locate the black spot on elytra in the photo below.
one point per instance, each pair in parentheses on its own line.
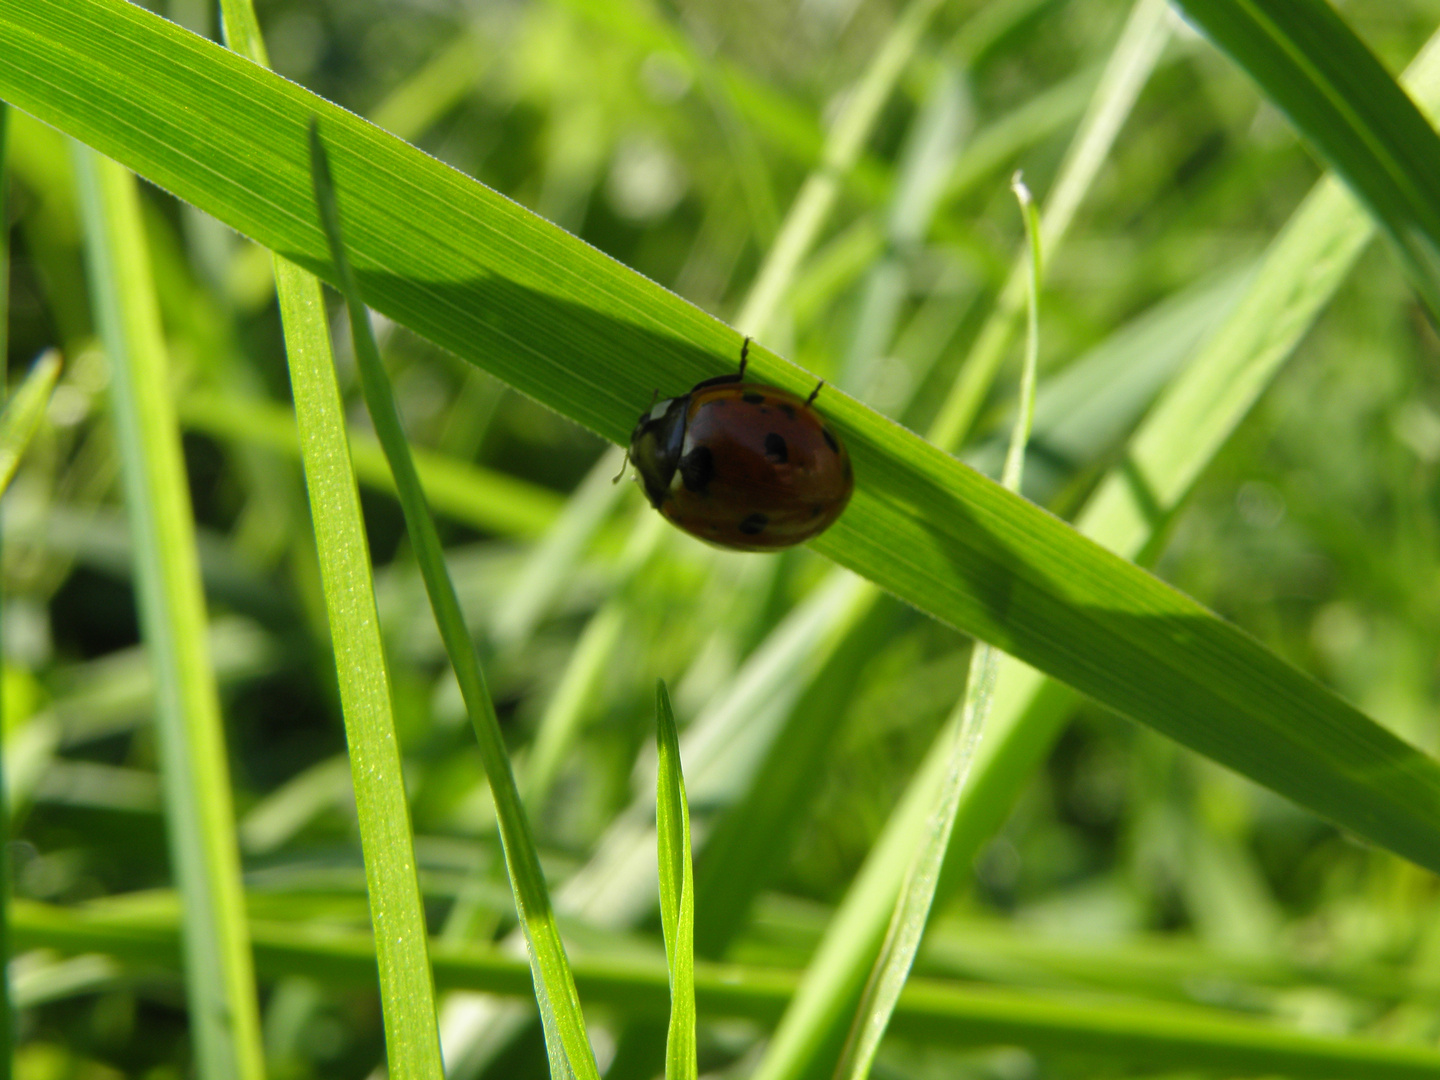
(697,469)
(788,411)
(816,510)
(776,451)
(830,440)
(753,399)
(754,525)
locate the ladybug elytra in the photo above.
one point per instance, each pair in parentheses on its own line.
(741,465)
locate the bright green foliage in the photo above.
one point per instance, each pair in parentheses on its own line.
(476,274)
(1233,388)
(200,816)
(566,1041)
(1349,108)
(23,413)
(677,891)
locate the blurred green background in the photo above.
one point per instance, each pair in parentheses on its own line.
(674,136)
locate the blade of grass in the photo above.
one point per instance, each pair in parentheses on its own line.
(564,1023)
(1309,62)
(25,408)
(199,817)
(376,770)
(917,892)
(1160,1035)
(7,1021)
(677,892)
(557,320)
(579,685)
(407,994)
(1135,55)
(812,206)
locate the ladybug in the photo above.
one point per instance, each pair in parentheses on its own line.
(741,465)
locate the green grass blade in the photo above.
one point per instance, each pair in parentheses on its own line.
(549,568)
(1309,62)
(818,194)
(26,407)
(1159,1035)
(407,994)
(200,820)
(581,682)
(566,1040)
(7,1019)
(1136,53)
(559,321)
(383,813)
(917,893)
(677,892)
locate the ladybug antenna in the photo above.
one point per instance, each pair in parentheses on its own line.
(623,466)
(811,399)
(744,356)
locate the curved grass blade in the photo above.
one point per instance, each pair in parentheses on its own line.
(7,1015)
(1309,62)
(1135,55)
(561,322)
(677,892)
(25,408)
(917,893)
(566,1041)
(376,770)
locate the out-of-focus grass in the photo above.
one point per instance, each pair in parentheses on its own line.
(675,140)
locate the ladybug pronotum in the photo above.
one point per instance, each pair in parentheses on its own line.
(742,465)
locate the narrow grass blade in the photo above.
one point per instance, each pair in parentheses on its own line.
(1136,53)
(677,892)
(7,1021)
(376,771)
(566,1040)
(581,682)
(199,817)
(843,146)
(917,893)
(550,567)
(25,408)
(1309,62)
(407,994)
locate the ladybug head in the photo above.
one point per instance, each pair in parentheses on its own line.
(655,446)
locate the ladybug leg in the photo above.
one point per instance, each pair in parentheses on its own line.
(811,399)
(623,466)
(744,356)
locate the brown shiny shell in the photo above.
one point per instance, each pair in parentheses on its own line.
(759,469)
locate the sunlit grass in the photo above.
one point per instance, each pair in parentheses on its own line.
(1233,388)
